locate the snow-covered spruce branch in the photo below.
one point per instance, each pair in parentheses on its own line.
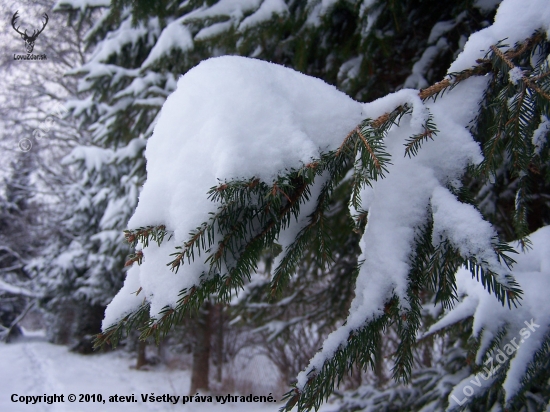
(418,233)
(508,351)
(145,234)
(315,383)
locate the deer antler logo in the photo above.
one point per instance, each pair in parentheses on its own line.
(29,40)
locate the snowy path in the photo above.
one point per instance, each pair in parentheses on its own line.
(38,368)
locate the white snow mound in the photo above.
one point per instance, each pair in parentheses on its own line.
(230,117)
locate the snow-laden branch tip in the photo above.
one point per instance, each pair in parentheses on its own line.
(16,290)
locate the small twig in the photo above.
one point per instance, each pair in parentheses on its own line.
(503,57)
(369,148)
(527,44)
(276,189)
(136,258)
(434,89)
(380,120)
(176,263)
(344,142)
(427,133)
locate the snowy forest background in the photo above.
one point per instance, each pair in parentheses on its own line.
(407,337)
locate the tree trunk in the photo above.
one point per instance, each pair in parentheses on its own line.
(141,358)
(219,343)
(379,362)
(201,350)
(427,352)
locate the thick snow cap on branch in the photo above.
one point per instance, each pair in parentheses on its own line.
(233,117)
(230,117)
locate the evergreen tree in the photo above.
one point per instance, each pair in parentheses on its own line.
(368,50)
(436,232)
(19,242)
(48,134)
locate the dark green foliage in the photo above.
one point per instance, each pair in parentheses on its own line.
(415,142)
(244,230)
(252,213)
(20,241)
(508,118)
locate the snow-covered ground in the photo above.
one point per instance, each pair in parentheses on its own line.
(33,367)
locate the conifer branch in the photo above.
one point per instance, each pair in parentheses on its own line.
(144,234)
(502,56)
(530,82)
(414,143)
(380,120)
(114,333)
(526,45)
(434,89)
(484,67)
(246,230)
(346,139)
(137,257)
(295,251)
(187,250)
(373,156)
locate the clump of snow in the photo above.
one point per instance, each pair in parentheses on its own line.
(540,135)
(280,120)
(372,13)
(92,156)
(230,117)
(350,69)
(486,5)
(442,27)
(416,78)
(327,5)
(264,13)
(116,40)
(365,6)
(463,226)
(515,75)
(214,30)
(174,36)
(236,9)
